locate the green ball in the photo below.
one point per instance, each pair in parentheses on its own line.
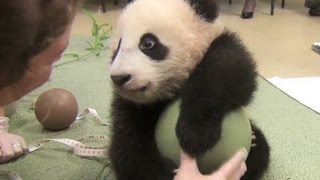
(236,134)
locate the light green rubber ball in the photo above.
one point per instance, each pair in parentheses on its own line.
(236,134)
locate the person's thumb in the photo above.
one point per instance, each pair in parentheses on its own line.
(188,162)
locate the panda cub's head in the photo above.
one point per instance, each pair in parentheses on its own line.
(160,44)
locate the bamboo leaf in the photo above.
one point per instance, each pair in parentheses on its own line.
(90,44)
(103,38)
(89,49)
(100,44)
(90,15)
(74,55)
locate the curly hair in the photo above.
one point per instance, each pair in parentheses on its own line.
(26,28)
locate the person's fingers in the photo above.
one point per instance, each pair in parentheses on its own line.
(17,149)
(188,162)
(7,151)
(23,144)
(11,146)
(230,168)
(241,171)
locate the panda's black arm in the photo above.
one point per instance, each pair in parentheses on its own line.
(223,81)
(133,152)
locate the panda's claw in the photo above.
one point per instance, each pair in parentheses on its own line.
(199,141)
(253,137)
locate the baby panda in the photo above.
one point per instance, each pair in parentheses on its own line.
(170,49)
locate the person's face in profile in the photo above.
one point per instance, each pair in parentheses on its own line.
(38,72)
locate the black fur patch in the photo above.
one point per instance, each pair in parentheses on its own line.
(158,52)
(207,9)
(258,158)
(133,151)
(224,80)
(114,55)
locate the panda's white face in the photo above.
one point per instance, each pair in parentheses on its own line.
(160,44)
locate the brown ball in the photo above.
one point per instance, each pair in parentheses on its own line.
(56,109)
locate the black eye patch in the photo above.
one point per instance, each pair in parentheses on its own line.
(152,47)
(116,51)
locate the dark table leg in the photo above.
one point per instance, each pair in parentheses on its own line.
(103,6)
(272,6)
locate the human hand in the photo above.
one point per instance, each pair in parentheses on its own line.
(11,146)
(233,169)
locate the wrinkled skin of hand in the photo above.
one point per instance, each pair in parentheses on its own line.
(11,145)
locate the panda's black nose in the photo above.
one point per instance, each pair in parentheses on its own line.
(120,80)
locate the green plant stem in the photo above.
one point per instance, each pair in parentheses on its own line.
(104,167)
(99,33)
(79,58)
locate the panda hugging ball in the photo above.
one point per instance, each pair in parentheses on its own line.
(169,50)
(235,134)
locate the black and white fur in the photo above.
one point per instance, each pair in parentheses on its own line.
(171,49)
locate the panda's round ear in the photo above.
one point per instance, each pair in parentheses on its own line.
(207,9)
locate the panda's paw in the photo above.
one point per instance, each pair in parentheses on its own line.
(196,140)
